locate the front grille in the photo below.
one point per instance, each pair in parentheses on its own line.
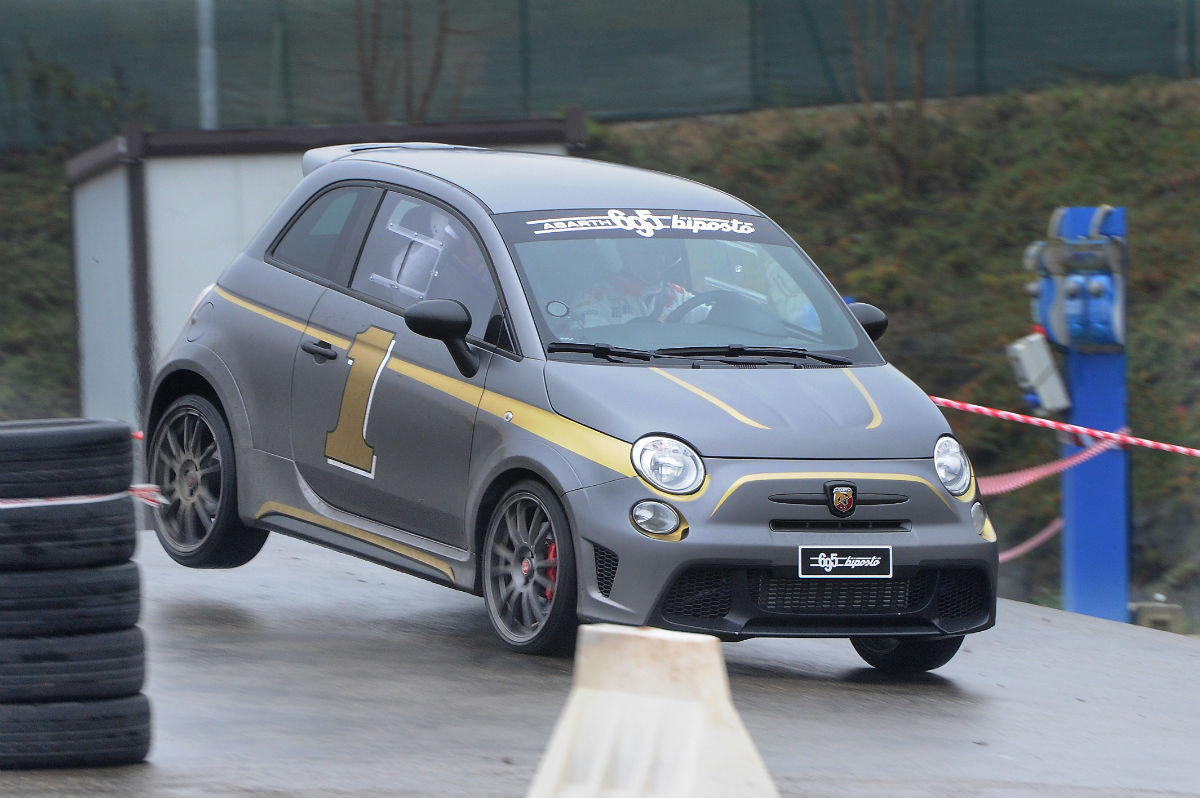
(606,569)
(787,525)
(822,596)
(737,600)
(961,594)
(700,593)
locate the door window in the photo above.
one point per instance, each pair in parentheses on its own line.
(417,250)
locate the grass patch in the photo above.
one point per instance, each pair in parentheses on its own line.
(38,352)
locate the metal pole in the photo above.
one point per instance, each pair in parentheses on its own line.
(526,76)
(1190,32)
(756,54)
(1095,499)
(206,64)
(980,53)
(281,74)
(1095,567)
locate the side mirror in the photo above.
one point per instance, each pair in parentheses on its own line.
(448,321)
(873,320)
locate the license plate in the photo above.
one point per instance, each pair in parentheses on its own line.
(839,562)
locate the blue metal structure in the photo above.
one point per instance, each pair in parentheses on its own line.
(1082,270)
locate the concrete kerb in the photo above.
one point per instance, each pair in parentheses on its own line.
(649,714)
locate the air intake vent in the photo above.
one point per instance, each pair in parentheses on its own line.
(700,593)
(606,569)
(825,596)
(961,594)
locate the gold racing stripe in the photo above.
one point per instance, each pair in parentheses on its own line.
(335,340)
(275,508)
(790,475)
(876,418)
(708,397)
(606,450)
(610,452)
(459,389)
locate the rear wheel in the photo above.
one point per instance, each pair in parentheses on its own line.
(191,461)
(906,655)
(529,571)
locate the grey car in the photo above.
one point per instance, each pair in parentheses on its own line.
(583,391)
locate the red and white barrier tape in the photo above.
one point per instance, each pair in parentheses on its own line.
(1099,434)
(57,500)
(144,493)
(148,494)
(998,484)
(1052,529)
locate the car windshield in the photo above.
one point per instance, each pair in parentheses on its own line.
(658,281)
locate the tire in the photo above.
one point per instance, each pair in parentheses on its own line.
(529,579)
(191,461)
(71,601)
(906,655)
(72,668)
(75,734)
(64,457)
(67,535)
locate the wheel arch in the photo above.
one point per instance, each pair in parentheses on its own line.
(540,463)
(196,375)
(175,385)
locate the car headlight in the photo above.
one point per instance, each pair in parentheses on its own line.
(952,466)
(668,464)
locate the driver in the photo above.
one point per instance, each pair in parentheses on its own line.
(640,290)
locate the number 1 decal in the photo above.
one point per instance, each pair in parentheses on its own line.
(347,447)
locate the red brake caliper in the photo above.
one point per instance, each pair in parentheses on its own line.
(552,572)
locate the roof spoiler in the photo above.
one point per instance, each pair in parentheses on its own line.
(316,158)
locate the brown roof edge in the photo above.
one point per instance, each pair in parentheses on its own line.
(569,131)
(94,160)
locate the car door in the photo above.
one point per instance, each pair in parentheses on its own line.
(382,420)
(263,304)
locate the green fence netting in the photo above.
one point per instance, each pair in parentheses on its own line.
(71,71)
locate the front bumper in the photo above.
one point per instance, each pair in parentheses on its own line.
(735,573)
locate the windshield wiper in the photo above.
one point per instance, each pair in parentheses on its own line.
(737,350)
(602,350)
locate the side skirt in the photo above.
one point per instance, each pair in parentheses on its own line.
(364,545)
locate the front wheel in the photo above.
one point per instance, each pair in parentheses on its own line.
(904,655)
(529,571)
(191,461)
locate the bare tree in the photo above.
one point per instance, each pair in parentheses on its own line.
(862,82)
(918,40)
(377,68)
(379,63)
(900,145)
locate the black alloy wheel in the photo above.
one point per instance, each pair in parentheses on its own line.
(529,571)
(191,461)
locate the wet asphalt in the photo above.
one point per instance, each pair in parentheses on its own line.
(309,673)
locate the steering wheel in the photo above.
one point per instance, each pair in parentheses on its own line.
(702,298)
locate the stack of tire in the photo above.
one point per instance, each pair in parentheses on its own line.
(72,660)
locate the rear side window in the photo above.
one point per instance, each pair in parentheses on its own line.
(324,239)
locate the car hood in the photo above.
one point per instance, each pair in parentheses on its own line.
(868,412)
